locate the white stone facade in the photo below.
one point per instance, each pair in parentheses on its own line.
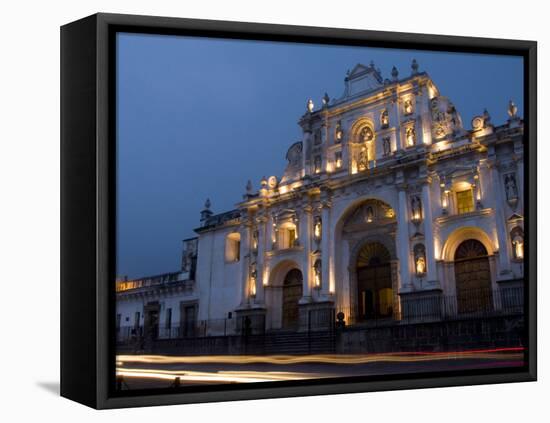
(385,179)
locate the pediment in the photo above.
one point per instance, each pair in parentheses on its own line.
(363,79)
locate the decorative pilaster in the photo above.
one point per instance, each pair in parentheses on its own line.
(269,232)
(395,120)
(260,258)
(502,236)
(305,240)
(325,248)
(245,261)
(403,240)
(428,233)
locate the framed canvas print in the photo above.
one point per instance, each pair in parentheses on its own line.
(258,211)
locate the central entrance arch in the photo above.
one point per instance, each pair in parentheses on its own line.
(292,292)
(374,282)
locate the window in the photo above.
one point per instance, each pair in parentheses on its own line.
(291,236)
(137,323)
(168,319)
(233,247)
(465,201)
(317,164)
(338,159)
(287,236)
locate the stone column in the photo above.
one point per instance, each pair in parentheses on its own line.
(269,232)
(428,233)
(245,261)
(305,241)
(403,240)
(502,235)
(425,116)
(395,117)
(325,249)
(260,259)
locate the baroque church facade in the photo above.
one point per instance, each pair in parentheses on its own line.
(388,209)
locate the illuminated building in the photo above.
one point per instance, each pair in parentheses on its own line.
(385,201)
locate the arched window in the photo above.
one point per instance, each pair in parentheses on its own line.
(233,247)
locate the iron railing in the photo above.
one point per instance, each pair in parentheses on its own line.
(419,307)
(471,304)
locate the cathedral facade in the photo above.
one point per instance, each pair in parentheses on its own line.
(389,209)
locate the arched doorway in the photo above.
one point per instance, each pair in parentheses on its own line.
(473,277)
(292,292)
(374,282)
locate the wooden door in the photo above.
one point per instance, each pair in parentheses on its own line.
(473,278)
(292,292)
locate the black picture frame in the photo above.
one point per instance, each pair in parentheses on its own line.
(88,195)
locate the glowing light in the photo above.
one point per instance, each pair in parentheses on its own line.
(252,287)
(215,377)
(518,246)
(516,352)
(338,162)
(317,229)
(420,266)
(408,107)
(353,167)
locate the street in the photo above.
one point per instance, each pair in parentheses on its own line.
(157,371)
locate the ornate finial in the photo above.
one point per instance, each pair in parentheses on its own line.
(207,204)
(372,64)
(263,182)
(249,187)
(512,110)
(310,106)
(414,66)
(394,73)
(326,100)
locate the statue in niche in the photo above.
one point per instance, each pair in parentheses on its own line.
(369,215)
(253,272)
(317,228)
(384,119)
(420,259)
(255,236)
(511,187)
(362,162)
(317,270)
(408,107)
(517,243)
(416,207)
(339,133)
(367,134)
(386,146)
(410,135)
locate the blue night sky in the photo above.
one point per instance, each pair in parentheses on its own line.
(199,117)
